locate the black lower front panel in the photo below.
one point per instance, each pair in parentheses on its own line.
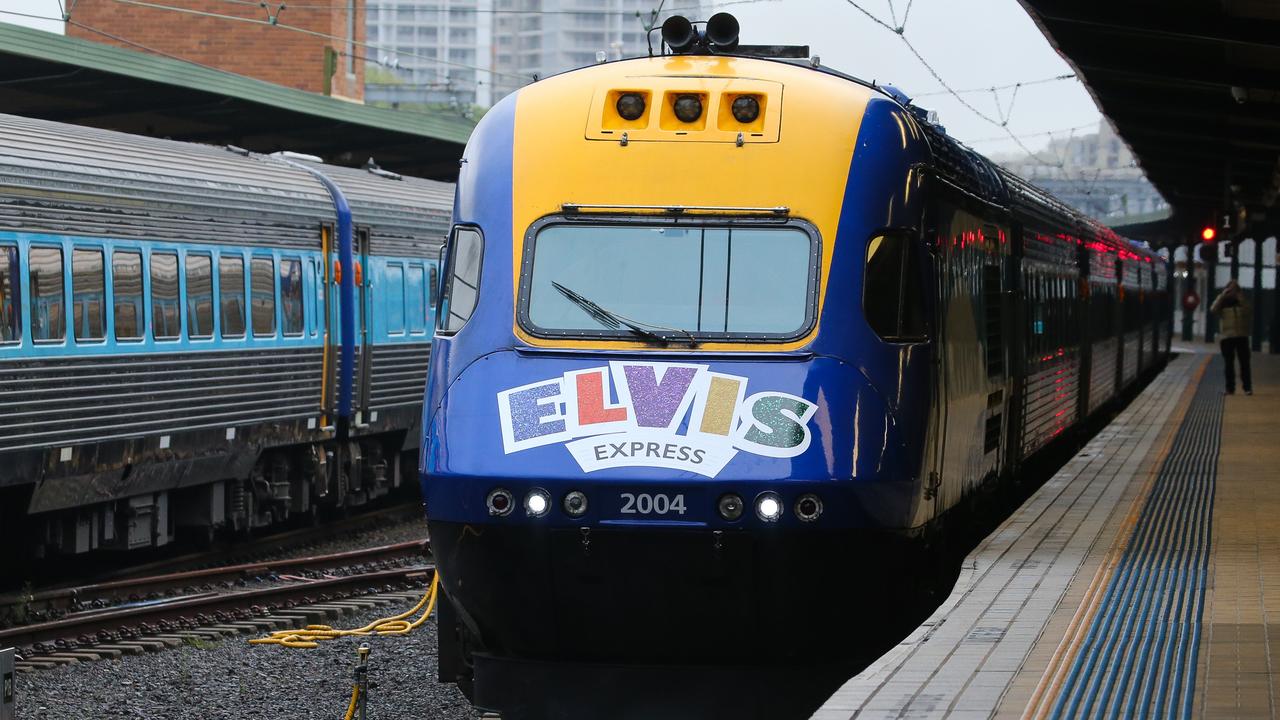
(629,606)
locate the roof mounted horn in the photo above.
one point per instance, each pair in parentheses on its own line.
(679,35)
(722,32)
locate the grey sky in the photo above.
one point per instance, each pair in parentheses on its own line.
(45,8)
(970,43)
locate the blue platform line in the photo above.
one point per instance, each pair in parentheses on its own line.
(1140,652)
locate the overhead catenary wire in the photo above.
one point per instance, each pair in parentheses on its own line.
(947,89)
(1024,83)
(439,7)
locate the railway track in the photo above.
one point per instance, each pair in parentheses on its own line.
(152,612)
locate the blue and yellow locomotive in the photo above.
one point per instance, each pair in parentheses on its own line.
(722,339)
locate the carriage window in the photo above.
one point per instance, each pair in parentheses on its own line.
(394,299)
(417,295)
(463,280)
(126,288)
(48,317)
(433,287)
(262,298)
(231,295)
(166,312)
(88,293)
(291,295)
(10,301)
(199,296)
(675,280)
(891,291)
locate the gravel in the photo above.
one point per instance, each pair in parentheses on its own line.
(232,679)
(396,531)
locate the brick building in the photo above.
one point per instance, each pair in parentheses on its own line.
(288,52)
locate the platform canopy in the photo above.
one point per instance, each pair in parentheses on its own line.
(1193,86)
(70,80)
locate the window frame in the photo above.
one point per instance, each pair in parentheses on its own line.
(911,243)
(390,330)
(244,293)
(281,263)
(448,276)
(709,222)
(423,291)
(140,320)
(186,294)
(149,291)
(15,288)
(252,327)
(31,293)
(102,314)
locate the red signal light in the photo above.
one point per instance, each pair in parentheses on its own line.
(1208,234)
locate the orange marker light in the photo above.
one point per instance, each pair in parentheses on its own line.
(1208,234)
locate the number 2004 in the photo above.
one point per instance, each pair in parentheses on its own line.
(655,504)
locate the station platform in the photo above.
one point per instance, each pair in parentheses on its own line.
(1142,580)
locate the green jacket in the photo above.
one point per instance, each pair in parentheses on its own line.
(1236,320)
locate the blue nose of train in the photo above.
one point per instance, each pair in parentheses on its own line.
(524,438)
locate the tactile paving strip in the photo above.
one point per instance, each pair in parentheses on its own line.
(1139,656)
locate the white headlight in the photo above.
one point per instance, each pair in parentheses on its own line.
(768,506)
(537,502)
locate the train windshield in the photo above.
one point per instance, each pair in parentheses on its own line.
(739,283)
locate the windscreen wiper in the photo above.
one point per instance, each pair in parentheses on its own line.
(611,319)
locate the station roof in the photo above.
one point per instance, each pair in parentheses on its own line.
(53,77)
(1193,86)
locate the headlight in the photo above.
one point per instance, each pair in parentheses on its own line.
(537,503)
(499,502)
(768,506)
(630,106)
(730,507)
(575,503)
(688,108)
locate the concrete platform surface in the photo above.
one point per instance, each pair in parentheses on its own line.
(1142,579)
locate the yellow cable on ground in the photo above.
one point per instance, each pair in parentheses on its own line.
(311,636)
(351,706)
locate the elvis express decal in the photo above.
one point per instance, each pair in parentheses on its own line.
(647,425)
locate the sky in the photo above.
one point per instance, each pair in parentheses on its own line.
(45,8)
(971,44)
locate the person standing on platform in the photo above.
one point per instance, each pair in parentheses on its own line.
(1235,318)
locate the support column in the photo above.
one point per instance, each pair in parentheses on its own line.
(1211,291)
(1258,298)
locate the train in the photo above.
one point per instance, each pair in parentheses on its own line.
(199,340)
(729,341)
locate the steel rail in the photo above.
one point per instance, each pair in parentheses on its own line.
(84,626)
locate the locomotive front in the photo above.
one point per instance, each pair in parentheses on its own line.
(659,425)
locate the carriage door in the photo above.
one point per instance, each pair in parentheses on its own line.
(994,331)
(326,302)
(364,320)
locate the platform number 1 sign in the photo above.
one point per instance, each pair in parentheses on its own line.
(8,687)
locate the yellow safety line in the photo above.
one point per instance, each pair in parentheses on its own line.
(1050,685)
